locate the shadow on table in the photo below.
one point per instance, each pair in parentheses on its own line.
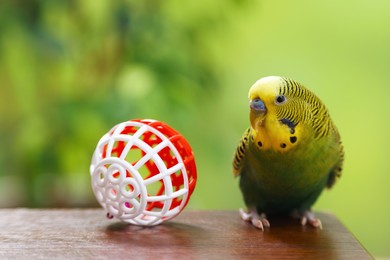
(163,235)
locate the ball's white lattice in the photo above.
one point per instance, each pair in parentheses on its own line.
(122,187)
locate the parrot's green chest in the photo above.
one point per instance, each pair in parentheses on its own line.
(281,182)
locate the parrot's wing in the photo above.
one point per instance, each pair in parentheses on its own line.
(240,153)
(337,169)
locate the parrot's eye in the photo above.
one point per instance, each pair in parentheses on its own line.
(280,99)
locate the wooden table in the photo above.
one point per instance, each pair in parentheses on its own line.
(88,234)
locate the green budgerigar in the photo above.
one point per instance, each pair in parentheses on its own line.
(289,154)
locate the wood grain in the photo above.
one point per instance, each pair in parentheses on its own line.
(87,234)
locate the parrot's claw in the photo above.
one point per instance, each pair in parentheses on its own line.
(308,217)
(258,221)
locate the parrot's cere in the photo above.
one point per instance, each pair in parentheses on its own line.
(288,155)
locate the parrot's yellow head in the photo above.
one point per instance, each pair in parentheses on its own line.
(280,110)
(262,99)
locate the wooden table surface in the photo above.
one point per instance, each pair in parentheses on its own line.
(88,234)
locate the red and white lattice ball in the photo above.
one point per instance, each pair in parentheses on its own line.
(143,172)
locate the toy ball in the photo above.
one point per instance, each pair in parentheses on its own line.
(143,172)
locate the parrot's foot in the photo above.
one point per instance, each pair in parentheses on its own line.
(258,221)
(307,217)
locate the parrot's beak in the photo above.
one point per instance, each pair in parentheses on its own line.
(257,113)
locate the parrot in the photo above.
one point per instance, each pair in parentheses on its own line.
(288,155)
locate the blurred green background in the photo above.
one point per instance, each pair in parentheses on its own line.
(70,70)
